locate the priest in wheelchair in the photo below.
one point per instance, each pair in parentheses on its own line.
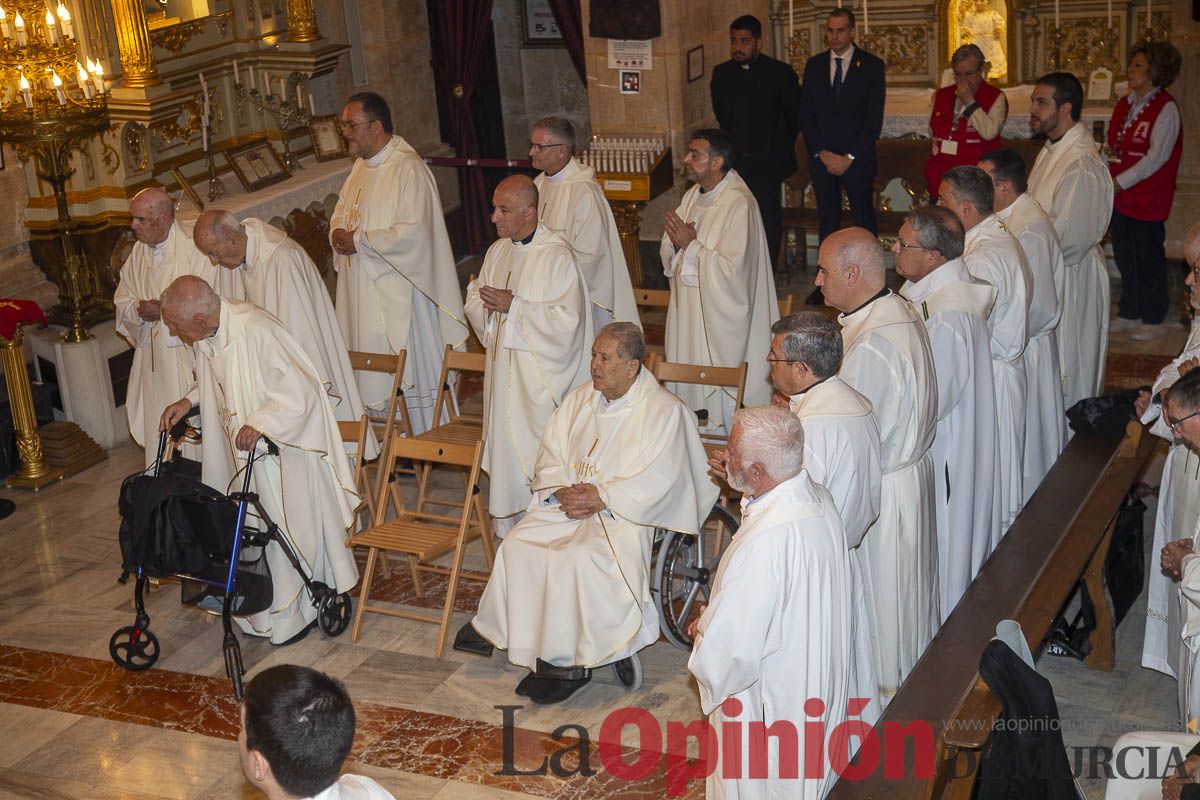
(570,590)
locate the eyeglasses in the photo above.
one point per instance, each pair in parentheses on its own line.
(907,246)
(772,360)
(1178,424)
(351,125)
(541,147)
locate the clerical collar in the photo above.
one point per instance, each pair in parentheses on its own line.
(527,239)
(751,62)
(884,292)
(716,188)
(377,159)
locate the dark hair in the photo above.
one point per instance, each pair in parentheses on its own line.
(719,144)
(302,722)
(747,22)
(973,185)
(1164,60)
(938,229)
(560,128)
(842,11)
(1067,89)
(1007,165)
(813,339)
(375,107)
(1185,392)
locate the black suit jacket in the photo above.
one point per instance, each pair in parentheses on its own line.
(850,122)
(759,108)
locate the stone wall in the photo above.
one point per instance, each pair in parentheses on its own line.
(1185,34)
(18,276)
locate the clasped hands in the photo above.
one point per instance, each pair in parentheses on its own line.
(1171,558)
(580,500)
(149,311)
(835,164)
(246,438)
(496,299)
(679,232)
(343,242)
(1185,774)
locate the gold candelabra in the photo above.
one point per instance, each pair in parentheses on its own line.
(51,104)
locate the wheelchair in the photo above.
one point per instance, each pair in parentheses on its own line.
(684,566)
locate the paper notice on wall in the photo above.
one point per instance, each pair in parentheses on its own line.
(629,54)
(1100,85)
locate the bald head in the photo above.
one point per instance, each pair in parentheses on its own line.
(190,308)
(516,207)
(1191,245)
(850,268)
(220,236)
(152,211)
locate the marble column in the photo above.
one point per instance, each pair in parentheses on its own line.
(1185,35)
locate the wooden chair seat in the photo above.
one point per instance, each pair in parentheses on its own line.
(460,432)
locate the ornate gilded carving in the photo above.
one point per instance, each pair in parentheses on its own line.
(800,48)
(1031,32)
(904,48)
(108,154)
(170,132)
(133,41)
(176,37)
(133,144)
(301,21)
(1085,46)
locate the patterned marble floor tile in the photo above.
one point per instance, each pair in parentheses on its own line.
(24,729)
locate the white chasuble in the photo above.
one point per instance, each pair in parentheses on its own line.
(536,353)
(279,277)
(577,592)
(252,372)
(722,296)
(955,308)
(162,364)
(400,290)
(1045,417)
(1071,182)
(993,255)
(1189,647)
(774,635)
(1178,510)
(841,453)
(572,203)
(888,359)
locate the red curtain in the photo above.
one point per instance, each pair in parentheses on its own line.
(459,31)
(569,16)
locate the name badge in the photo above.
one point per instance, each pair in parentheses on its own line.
(1114,156)
(950,147)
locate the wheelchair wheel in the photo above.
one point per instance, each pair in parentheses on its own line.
(333,613)
(133,648)
(629,672)
(683,572)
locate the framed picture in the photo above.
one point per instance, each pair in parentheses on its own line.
(538,26)
(256,164)
(327,139)
(695,63)
(187,189)
(631,81)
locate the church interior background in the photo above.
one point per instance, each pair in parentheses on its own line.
(183,94)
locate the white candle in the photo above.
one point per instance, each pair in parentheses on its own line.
(791,14)
(20,26)
(84,82)
(5,27)
(1149,26)
(97,73)
(58,89)
(1108,18)
(1056,20)
(64,18)
(51,27)
(236,77)
(250,72)
(299,95)
(25,93)
(866,20)
(312,106)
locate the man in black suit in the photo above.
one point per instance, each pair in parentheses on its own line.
(756,100)
(841,114)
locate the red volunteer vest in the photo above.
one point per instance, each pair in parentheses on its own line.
(971,146)
(1150,199)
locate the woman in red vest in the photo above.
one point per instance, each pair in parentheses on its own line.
(1145,142)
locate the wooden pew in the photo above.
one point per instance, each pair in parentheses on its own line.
(1060,537)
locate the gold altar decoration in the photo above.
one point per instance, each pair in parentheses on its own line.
(50,106)
(175,37)
(33,473)
(905,48)
(133,41)
(301,21)
(987,24)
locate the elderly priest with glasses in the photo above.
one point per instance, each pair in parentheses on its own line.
(570,589)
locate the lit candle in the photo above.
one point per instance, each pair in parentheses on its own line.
(51,27)
(84,83)
(20,26)
(97,73)
(236,77)
(5,27)
(64,18)
(25,93)
(58,89)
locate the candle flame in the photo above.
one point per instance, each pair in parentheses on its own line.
(24,84)
(49,19)
(83,76)
(95,68)
(63,14)
(20,23)
(2,14)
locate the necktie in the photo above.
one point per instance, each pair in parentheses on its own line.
(837,76)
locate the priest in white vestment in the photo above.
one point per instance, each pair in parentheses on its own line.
(529,307)
(1179,489)
(570,590)
(714,253)
(1045,416)
(1071,182)
(955,307)
(993,255)
(279,277)
(888,360)
(162,364)
(1180,558)
(254,380)
(397,286)
(776,631)
(571,202)
(841,453)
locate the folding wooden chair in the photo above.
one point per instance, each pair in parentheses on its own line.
(422,537)
(698,375)
(454,426)
(652,298)
(396,421)
(356,433)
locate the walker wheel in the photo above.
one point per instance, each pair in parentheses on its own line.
(333,613)
(629,672)
(133,648)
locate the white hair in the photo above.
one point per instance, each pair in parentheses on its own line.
(1191,243)
(772,437)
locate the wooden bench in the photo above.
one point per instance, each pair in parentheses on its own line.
(1061,537)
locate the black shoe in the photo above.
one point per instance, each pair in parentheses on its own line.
(532,684)
(547,670)
(299,637)
(816,298)
(7,507)
(549,691)
(468,640)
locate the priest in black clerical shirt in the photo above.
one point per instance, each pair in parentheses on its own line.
(756,100)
